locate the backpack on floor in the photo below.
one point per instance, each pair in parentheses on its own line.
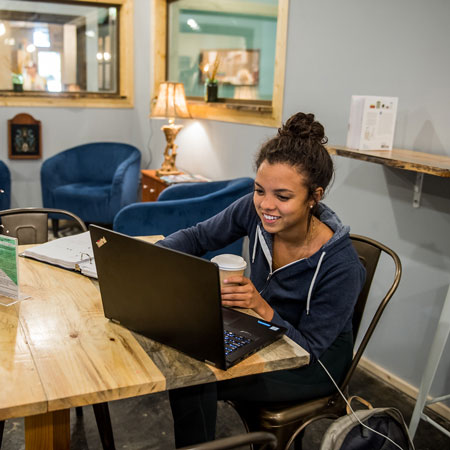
(346,433)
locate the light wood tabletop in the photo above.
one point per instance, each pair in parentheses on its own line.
(58,351)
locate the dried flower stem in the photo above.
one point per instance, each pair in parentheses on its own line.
(211,70)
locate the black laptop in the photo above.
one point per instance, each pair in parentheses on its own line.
(174,298)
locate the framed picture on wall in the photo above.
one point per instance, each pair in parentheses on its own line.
(236,67)
(24,137)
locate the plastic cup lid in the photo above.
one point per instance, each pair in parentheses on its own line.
(229,262)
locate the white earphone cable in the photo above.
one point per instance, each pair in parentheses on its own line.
(353,412)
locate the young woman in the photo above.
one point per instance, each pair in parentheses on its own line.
(305,275)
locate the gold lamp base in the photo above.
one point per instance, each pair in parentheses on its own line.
(170,152)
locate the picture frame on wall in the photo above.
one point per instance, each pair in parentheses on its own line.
(24,137)
(237,67)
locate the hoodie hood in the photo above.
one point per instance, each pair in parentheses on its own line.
(297,290)
(326,215)
(329,218)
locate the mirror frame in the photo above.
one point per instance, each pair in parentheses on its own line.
(247,112)
(124,99)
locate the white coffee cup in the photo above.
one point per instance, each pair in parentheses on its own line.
(229,265)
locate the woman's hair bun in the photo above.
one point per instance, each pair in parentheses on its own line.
(303,126)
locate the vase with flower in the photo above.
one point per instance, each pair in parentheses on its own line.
(17,82)
(211,82)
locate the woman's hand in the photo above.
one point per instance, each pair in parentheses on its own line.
(242,293)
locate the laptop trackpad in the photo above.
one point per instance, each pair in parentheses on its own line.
(228,316)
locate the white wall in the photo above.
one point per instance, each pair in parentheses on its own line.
(335,49)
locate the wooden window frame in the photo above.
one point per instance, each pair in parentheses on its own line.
(124,99)
(247,112)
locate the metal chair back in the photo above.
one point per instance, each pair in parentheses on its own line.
(288,421)
(30,225)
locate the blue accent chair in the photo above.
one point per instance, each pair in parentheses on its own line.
(183,205)
(93,181)
(5,186)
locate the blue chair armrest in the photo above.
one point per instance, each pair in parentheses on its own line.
(51,177)
(190,190)
(125,181)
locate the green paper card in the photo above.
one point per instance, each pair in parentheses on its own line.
(9,270)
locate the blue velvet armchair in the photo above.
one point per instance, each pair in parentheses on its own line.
(183,205)
(5,186)
(93,181)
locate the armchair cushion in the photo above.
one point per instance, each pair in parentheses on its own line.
(178,207)
(73,195)
(93,180)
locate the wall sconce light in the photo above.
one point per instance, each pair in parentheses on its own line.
(171,104)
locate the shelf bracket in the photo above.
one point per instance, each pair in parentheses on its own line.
(418,189)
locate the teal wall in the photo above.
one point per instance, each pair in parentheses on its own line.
(229,31)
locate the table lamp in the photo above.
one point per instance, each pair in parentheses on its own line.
(171,103)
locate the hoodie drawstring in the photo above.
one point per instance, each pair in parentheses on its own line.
(308,301)
(255,244)
(260,238)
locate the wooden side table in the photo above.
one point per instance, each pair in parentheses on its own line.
(152,185)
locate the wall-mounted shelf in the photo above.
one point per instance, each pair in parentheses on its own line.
(411,160)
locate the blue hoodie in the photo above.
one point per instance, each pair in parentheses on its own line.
(313,297)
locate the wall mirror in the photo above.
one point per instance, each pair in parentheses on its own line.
(242,43)
(63,50)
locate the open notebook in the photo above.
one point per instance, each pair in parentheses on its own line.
(70,252)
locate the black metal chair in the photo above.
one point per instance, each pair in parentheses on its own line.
(268,441)
(30,226)
(288,421)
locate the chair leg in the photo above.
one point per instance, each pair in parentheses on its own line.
(55,227)
(79,411)
(103,420)
(2,426)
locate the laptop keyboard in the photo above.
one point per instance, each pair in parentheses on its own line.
(233,341)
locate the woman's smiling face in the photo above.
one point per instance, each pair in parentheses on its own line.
(281,198)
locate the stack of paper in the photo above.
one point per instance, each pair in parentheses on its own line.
(88,268)
(184,178)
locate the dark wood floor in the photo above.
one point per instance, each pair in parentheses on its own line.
(145,423)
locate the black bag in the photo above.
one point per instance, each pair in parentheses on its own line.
(346,433)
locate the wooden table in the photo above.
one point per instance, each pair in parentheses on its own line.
(58,351)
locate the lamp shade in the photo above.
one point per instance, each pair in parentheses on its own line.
(171,101)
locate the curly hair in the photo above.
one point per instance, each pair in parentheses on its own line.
(300,143)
